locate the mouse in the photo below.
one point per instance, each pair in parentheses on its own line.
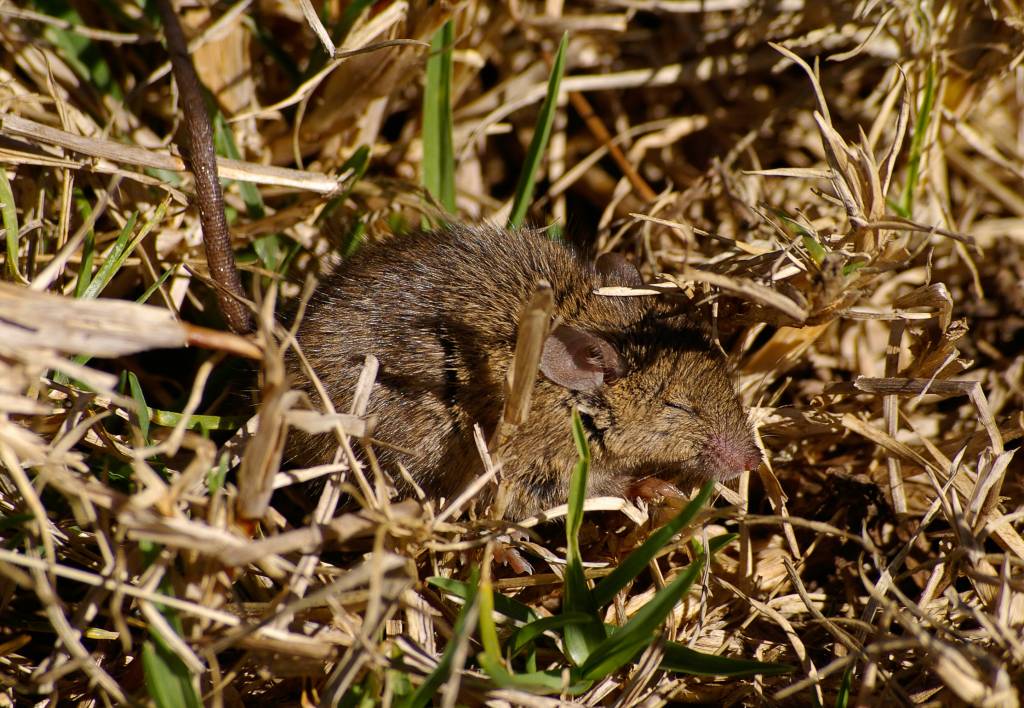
(439,309)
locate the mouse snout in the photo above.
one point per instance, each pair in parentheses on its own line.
(729,456)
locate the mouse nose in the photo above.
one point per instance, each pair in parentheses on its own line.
(731,456)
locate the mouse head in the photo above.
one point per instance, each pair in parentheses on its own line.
(654,394)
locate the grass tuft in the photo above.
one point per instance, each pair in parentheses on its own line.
(837,193)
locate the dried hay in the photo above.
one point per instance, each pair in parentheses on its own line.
(839,183)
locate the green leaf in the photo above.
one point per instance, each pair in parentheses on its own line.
(506,606)
(225,145)
(167,678)
(110,263)
(843,695)
(9,214)
(542,682)
(357,163)
(814,248)
(14,521)
(361,695)
(348,18)
(438,146)
(88,245)
(905,208)
(271,44)
(217,475)
(580,638)
(169,419)
(488,630)
(84,56)
(427,690)
(851,268)
(85,358)
(628,640)
(401,685)
(140,402)
(529,633)
(353,239)
(144,298)
(270,248)
(541,134)
(637,561)
(681,659)
(118,253)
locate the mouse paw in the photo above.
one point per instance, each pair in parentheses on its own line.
(652,488)
(506,555)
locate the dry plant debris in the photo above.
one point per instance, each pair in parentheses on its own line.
(838,184)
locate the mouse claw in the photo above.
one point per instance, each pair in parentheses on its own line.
(507,555)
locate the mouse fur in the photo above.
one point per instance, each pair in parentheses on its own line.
(440,311)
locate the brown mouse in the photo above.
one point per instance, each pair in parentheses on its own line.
(440,311)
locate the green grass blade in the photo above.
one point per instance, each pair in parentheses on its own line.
(541,682)
(123,247)
(169,419)
(684,660)
(271,44)
(427,690)
(144,298)
(348,18)
(438,145)
(216,476)
(577,487)
(110,259)
(905,208)
(271,248)
(88,245)
(488,630)
(580,638)
(843,696)
(167,678)
(140,401)
(635,563)
(631,638)
(541,134)
(717,543)
(814,248)
(9,214)
(529,633)
(353,239)
(513,609)
(84,56)
(225,145)
(357,163)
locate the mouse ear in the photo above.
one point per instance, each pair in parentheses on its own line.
(614,270)
(578,360)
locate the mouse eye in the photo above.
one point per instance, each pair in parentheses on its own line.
(685,407)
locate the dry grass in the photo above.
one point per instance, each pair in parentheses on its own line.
(856,227)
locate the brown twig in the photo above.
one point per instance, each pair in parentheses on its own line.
(202,160)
